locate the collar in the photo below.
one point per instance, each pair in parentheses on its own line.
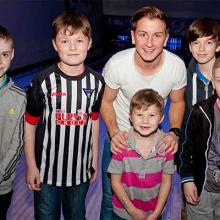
(201,76)
(4,81)
(132,144)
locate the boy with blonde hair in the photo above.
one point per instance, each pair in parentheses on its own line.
(13,103)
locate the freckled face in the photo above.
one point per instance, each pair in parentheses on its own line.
(145,122)
(72,49)
(203,49)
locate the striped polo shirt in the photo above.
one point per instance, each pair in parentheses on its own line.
(141,177)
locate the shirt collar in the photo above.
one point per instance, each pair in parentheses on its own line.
(132,143)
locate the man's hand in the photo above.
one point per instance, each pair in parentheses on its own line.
(119,141)
(190,192)
(169,142)
(33,179)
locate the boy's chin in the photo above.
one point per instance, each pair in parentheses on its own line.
(143,134)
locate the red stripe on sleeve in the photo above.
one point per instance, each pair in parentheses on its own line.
(95,115)
(31,119)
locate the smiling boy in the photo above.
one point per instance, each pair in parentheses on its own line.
(13,103)
(65,99)
(141,174)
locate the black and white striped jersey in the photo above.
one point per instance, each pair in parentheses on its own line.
(65,106)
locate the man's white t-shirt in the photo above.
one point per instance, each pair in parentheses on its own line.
(120,73)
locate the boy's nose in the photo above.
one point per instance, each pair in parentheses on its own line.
(145,119)
(201,47)
(72,46)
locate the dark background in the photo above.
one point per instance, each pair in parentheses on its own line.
(29,21)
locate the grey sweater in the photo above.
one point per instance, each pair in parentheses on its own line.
(12,109)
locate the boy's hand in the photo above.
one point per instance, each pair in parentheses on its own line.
(151,217)
(190,192)
(170,143)
(33,179)
(119,141)
(138,214)
(94,175)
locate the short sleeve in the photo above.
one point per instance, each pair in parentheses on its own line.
(111,76)
(180,75)
(98,100)
(35,102)
(116,164)
(168,166)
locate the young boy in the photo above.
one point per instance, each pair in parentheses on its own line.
(66,99)
(141,174)
(13,103)
(204,41)
(200,156)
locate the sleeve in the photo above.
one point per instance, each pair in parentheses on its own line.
(35,102)
(97,104)
(9,162)
(180,76)
(116,164)
(111,75)
(185,168)
(168,166)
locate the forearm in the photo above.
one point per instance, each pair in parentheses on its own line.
(163,194)
(29,146)
(120,193)
(109,117)
(14,150)
(95,143)
(176,113)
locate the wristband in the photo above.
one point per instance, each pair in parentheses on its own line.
(176,131)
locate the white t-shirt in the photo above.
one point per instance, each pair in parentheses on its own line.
(120,73)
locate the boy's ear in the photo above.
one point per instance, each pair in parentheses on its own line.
(161,118)
(54,44)
(130,119)
(190,47)
(12,54)
(218,48)
(90,43)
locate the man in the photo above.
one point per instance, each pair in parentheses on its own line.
(147,65)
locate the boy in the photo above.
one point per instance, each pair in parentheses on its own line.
(66,98)
(13,103)
(204,41)
(147,65)
(141,174)
(200,156)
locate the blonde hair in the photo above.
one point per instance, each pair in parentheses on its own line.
(5,35)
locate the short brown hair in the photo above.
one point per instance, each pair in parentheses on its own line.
(151,13)
(5,35)
(145,98)
(75,22)
(203,27)
(215,66)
